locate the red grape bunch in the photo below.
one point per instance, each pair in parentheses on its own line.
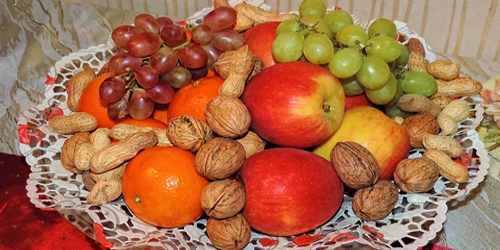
(157,56)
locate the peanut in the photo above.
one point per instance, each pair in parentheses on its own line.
(116,154)
(76,86)
(446,144)
(113,174)
(104,191)
(236,66)
(459,87)
(68,150)
(100,138)
(444,69)
(418,103)
(451,115)
(447,167)
(248,15)
(121,131)
(441,99)
(416,58)
(83,154)
(71,124)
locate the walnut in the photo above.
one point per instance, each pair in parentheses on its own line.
(419,125)
(355,165)
(252,143)
(223,199)
(231,233)
(227,116)
(219,158)
(188,132)
(416,175)
(258,66)
(69,148)
(375,202)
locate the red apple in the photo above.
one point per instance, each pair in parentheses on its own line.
(295,104)
(357,100)
(260,41)
(289,191)
(370,127)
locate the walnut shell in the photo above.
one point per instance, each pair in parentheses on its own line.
(219,158)
(416,175)
(223,199)
(252,143)
(375,202)
(188,132)
(419,125)
(355,165)
(231,233)
(227,116)
(68,150)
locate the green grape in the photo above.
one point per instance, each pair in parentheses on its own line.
(393,111)
(318,24)
(384,47)
(312,7)
(346,62)
(338,19)
(374,73)
(403,56)
(288,46)
(382,27)
(399,93)
(385,94)
(351,86)
(418,82)
(292,24)
(318,48)
(352,36)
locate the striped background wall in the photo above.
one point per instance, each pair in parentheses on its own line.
(467,28)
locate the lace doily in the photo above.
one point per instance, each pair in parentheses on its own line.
(414,221)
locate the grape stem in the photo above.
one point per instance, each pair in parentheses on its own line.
(182,45)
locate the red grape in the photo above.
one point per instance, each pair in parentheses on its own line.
(177,77)
(143,44)
(124,63)
(163,60)
(163,21)
(146,77)
(173,35)
(220,18)
(147,22)
(162,93)
(140,105)
(123,33)
(202,34)
(198,73)
(112,89)
(228,39)
(212,54)
(192,56)
(118,110)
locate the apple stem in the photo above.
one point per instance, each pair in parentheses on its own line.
(326,107)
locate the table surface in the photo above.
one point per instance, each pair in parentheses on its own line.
(37,34)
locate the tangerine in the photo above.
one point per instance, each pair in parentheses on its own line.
(148,122)
(192,98)
(162,187)
(91,103)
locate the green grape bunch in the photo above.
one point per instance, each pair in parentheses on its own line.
(371,61)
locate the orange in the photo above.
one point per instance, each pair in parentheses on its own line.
(192,98)
(162,187)
(161,113)
(148,122)
(91,103)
